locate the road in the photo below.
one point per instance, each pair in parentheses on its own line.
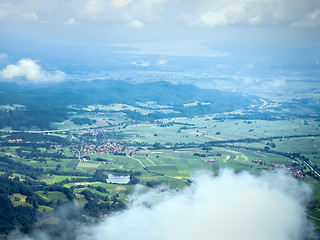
(312,169)
(138,161)
(145,168)
(264,103)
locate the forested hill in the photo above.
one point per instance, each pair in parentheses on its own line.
(48,102)
(110,91)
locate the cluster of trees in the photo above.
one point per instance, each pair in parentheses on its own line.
(11,217)
(9,166)
(37,154)
(31,118)
(207,155)
(99,176)
(260,115)
(151,117)
(157,145)
(98,205)
(82,121)
(35,139)
(252,140)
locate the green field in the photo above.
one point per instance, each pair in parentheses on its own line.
(159,154)
(54,195)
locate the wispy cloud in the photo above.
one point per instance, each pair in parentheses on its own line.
(29,70)
(162,61)
(71,21)
(172,49)
(30,16)
(136,24)
(311,19)
(5,10)
(122,11)
(18,10)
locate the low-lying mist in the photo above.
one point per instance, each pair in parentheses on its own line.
(228,206)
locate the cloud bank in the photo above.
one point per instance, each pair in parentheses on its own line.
(29,70)
(230,206)
(205,13)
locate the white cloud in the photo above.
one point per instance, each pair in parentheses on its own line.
(32,72)
(212,19)
(121,3)
(136,24)
(71,21)
(227,14)
(123,11)
(248,12)
(230,206)
(162,62)
(312,19)
(24,10)
(141,63)
(29,16)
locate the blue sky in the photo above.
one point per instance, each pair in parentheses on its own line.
(167,35)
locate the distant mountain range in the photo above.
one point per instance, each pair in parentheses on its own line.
(49,102)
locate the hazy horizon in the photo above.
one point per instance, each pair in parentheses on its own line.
(90,39)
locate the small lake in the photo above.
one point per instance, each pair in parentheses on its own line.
(118,179)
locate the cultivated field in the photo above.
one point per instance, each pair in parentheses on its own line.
(164,153)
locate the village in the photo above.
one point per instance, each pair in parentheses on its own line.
(102,141)
(295,171)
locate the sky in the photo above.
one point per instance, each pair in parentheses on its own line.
(88,36)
